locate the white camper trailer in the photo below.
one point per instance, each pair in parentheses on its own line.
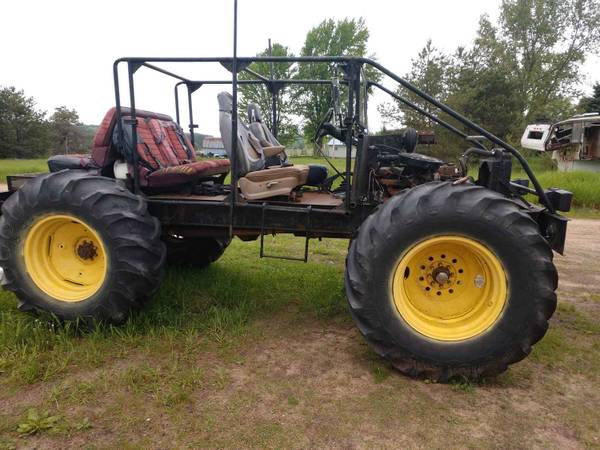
(574,143)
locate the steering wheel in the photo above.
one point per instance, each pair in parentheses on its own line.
(326,119)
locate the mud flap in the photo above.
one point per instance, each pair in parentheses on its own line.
(554,229)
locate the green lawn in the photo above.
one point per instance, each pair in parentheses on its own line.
(584,185)
(16,166)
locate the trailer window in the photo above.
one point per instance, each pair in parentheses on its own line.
(535,135)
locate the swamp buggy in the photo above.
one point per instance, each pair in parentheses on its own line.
(446,275)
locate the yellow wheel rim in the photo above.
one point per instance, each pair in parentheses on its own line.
(65,257)
(450,288)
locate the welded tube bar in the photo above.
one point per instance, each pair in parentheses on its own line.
(473,126)
(136,175)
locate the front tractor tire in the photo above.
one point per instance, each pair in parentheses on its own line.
(451,281)
(80,247)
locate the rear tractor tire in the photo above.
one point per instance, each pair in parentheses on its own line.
(198,252)
(80,247)
(451,281)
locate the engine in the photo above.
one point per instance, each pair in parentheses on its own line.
(395,166)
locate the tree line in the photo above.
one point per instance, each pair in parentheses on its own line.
(28,132)
(524,67)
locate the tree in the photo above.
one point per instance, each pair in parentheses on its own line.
(347,37)
(433,72)
(429,73)
(546,42)
(23,131)
(482,85)
(259,94)
(591,104)
(66,132)
(524,67)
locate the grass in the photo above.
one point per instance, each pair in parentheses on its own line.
(263,353)
(585,186)
(16,166)
(219,305)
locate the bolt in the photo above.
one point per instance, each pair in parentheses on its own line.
(442,277)
(479,281)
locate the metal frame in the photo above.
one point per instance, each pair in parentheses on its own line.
(191,215)
(353,67)
(240,217)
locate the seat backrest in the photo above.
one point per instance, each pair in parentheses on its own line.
(249,151)
(161,142)
(263,134)
(258,128)
(158,144)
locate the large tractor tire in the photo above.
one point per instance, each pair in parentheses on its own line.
(80,247)
(451,281)
(196,252)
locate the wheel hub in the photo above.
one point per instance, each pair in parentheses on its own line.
(86,250)
(450,287)
(441,275)
(65,257)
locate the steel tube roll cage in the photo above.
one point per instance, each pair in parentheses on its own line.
(352,68)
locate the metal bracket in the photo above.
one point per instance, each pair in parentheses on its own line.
(264,207)
(241,65)
(275,87)
(351,70)
(193,86)
(134,66)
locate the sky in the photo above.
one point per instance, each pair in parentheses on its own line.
(61,52)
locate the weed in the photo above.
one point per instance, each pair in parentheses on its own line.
(462,384)
(37,422)
(142,378)
(221,378)
(83,424)
(379,372)
(7,445)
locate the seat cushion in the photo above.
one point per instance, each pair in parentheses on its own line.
(61,162)
(300,172)
(273,182)
(166,157)
(248,149)
(183,174)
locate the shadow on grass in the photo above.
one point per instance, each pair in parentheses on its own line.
(218,304)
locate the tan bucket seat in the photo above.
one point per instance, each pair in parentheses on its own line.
(264,135)
(255,180)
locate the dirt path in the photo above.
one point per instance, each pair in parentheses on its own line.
(579,270)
